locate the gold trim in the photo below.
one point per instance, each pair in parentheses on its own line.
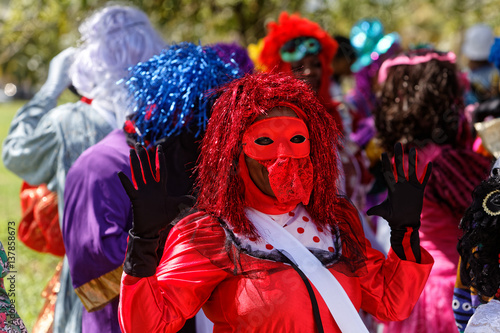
(96,293)
(486,209)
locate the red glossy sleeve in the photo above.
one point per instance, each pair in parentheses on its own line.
(183,282)
(392,286)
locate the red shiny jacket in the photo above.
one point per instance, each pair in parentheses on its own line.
(267,296)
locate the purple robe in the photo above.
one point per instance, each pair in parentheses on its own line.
(97,217)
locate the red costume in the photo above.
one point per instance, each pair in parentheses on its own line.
(292,26)
(215,259)
(277,302)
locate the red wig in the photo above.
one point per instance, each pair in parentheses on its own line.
(290,27)
(221,188)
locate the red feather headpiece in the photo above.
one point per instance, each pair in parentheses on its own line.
(288,28)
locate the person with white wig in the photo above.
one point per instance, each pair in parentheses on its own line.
(45,139)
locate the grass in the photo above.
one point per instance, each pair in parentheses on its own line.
(33,269)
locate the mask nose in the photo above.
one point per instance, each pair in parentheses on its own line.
(285,149)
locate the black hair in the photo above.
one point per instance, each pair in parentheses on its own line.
(479,246)
(345,50)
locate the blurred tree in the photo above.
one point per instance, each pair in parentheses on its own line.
(215,20)
(33,31)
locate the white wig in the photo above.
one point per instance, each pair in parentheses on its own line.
(114,39)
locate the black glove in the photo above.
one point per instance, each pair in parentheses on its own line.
(404,202)
(153,210)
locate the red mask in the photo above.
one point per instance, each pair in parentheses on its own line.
(275,137)
(282,145)
(291,179)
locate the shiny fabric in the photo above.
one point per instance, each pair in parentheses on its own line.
(96,293)
(291,179)
(45,320)
(256,198)
(486,319)
(39,226)
(265,295)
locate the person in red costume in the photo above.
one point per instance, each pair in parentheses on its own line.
(269,226)
(299,46)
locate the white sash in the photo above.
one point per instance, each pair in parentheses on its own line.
(335,297)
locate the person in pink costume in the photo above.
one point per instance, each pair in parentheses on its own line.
(421,106)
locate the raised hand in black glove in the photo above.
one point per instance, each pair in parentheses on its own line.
(404,202)
(153,210)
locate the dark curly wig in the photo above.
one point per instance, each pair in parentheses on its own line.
(479,246)
(420,103)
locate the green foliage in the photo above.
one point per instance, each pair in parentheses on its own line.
(33,31)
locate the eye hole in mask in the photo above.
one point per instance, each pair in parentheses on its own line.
(264,141)
(298,139)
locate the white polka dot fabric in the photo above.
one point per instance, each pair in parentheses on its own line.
(299,224)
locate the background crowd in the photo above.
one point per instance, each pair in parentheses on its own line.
(379,90)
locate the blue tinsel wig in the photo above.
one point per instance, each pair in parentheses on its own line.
(174,91)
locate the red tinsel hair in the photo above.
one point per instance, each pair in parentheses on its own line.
(221,189)
(292,26)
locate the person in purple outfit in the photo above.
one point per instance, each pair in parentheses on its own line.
(98,214)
